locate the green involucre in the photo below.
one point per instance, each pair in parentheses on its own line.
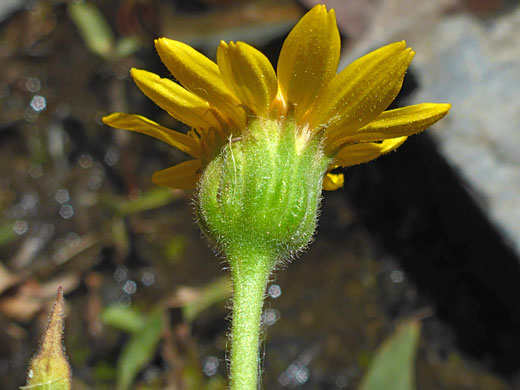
(261,194)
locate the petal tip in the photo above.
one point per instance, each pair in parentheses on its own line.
(140,75)
(163,44)
(441,108)
(444,109)
(115,120)
(134,72)
(333,181)
(158,180)
(318,12)
(158,42)
(107,119)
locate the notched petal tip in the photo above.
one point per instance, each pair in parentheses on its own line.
(164,43)
(223,45)
(411,53)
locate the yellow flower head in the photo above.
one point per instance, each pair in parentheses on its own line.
(219,100)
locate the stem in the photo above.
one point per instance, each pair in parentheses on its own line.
(250,276)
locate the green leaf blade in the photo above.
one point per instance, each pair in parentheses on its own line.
(93,27)
(392,367)
(128,319)
(139,351)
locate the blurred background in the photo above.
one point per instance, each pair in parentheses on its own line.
(430,232)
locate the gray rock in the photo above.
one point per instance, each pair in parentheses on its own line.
(475,65)
(9,6)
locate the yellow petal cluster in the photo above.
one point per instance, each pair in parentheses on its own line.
(217,100)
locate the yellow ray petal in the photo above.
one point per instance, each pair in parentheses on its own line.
(363,90)
(173,98)
(333,181)
(364,152)
(248,73)
(309,58)
(144,125)
(198,74)
(181,176)
(394,123)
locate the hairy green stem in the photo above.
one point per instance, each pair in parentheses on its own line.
(250,276)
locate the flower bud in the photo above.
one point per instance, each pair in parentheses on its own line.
(49,369)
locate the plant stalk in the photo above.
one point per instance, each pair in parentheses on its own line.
(250,276)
